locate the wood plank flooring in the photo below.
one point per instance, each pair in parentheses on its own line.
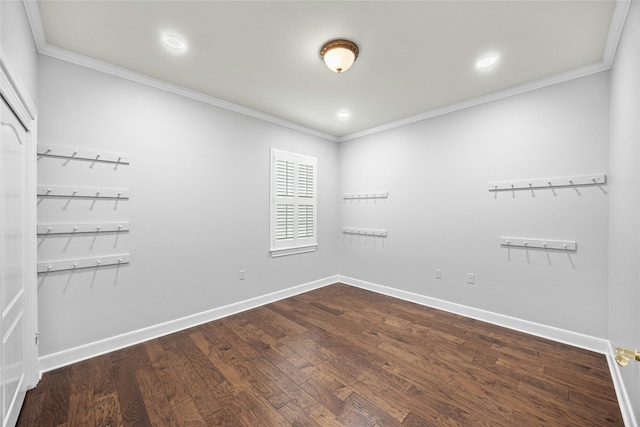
(336,356)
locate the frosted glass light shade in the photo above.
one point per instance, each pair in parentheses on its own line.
(339,59)
(339,55)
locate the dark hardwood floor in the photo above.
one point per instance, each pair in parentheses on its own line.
(336,356)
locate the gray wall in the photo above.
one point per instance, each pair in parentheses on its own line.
(624,278)
(199,207)
(440,214)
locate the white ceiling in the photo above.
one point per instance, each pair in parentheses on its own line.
(262,57)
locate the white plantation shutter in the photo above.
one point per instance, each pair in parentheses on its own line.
(284,222)
(306,181)
(284,178)
(284,192)
(306,221)
(293,203)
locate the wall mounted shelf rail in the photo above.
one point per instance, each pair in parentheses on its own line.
(536,184)
(364,232)
(103,227)
(78,263)
(94,193)
(555,245)
(378,195)
(76,153)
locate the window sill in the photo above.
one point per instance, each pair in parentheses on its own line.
(275,253)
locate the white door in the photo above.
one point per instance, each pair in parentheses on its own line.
(13,254)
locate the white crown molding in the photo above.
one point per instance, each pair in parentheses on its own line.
(495,96)
(83,352)
(613,38)
(35,21)
(124,73)
(615,30)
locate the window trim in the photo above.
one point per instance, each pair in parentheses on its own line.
(295,245)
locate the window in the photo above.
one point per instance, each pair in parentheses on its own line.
(294,208)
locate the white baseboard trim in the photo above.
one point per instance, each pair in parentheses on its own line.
(83,352)
(599,345)
(575,339)
(626,407)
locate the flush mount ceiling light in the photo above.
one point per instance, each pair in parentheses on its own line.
(339,54)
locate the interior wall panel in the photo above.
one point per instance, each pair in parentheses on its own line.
(198,179)
(439,214)
(624,278)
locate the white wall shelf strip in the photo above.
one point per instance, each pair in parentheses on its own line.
(75,264)
(555,245)
(75,153)
(535,184)
(379,195)
(94,193)
(104,227)
(364,232)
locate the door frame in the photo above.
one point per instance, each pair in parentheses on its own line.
(15,93)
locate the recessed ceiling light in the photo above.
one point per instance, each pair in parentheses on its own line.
(487,61)
(343,115)
(173,42)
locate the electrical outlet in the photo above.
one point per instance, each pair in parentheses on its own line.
(438,273)
(471,278)
(241,275)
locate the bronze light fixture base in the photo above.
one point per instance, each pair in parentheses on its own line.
(339,44)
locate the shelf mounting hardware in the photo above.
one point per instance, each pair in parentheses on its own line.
(78,263)
(75,153)
(364,232)
(535,184)
(555,245)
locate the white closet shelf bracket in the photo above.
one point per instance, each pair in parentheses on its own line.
(364,232)
(76,153)
(378,195)
(537,184)
(104,227)
(78,263)
(554,245)
(93,193)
